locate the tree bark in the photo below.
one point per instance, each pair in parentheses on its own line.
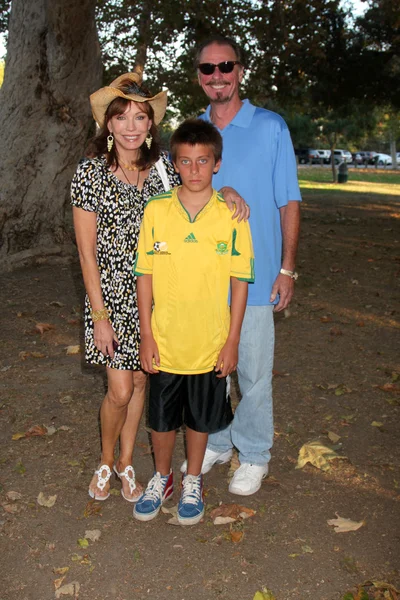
(53,64)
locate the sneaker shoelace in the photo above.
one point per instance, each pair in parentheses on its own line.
(155,488)
(191,489)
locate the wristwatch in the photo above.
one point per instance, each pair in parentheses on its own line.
(291,274)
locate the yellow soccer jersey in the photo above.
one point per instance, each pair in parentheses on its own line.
(191,263)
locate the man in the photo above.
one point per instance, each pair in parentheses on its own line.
(258,161)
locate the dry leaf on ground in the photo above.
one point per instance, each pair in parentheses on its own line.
(343,525)
(42,327)
(377,424)
(58,582)
(11,508)
(236,536)
(334,437)
(390,387)
(36,430)
(93,535)
(47,501)
(229,513)
(73,349)
(264,595)
(317,454)
(83,542)
(13,496)
(71,589)
(60,570)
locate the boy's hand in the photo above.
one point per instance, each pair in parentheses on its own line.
(227,359)
(148,352)
(234,201)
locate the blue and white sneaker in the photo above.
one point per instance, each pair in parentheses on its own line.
(159,489)
(191,504)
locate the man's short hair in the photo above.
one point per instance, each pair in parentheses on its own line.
(220,40)
(196,132)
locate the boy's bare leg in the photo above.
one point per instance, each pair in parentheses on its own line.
(196,443)
(163,447)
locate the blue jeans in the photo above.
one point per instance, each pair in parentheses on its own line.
(252,429)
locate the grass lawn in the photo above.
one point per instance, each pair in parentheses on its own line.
(375,181)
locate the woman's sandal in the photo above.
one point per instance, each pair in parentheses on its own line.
(129,474)
(101,482)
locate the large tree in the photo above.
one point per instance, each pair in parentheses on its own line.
(53,63)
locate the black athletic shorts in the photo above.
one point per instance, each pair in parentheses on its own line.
(199,401)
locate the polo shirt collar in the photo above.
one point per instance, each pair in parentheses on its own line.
(242,118)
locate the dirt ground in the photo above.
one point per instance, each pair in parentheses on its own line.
(336,372)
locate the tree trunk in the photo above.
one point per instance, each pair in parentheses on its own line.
(53,64)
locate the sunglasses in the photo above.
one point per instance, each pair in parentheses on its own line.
(224,67)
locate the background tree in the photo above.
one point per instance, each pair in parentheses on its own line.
(53,63)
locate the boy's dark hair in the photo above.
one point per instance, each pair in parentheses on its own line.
(196,131)
(221,40)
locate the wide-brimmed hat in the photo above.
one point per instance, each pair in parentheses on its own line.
(101,99)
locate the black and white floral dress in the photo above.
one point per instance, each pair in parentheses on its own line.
(119,209)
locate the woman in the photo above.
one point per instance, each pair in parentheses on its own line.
(123,169)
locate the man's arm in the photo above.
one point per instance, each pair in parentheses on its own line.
(228,357)
(283,284)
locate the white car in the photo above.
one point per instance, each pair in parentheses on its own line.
(325,155)
(382,159)
(342,156)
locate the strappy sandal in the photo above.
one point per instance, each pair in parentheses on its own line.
(129,474)
(101,482)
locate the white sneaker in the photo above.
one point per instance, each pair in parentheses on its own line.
(247,479)
(210,459)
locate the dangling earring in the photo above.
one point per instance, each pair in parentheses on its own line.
(110,142)
(148,140)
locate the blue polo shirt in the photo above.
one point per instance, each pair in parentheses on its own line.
(258,161)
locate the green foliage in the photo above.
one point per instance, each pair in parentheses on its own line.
(5,7)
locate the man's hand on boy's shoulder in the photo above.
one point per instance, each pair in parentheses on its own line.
(227,359)
(148,352)
(234,201)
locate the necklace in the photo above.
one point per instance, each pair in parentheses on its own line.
(129,167)
(127,178)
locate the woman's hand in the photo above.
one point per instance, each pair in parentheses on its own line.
(104,337)
(234,201)
(148,352)
(227,359)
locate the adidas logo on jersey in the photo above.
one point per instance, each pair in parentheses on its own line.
(191,238)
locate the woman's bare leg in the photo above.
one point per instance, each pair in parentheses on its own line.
(113,414)
(130,428)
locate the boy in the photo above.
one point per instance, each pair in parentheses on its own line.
(190,253)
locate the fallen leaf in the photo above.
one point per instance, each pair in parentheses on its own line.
(48,502)
(279,374)
(18,436)
(92,508)
(376,424)
(58,582)
(334,437)
(13,496)
(73,349)
(56,303)
(229,513)
(317,454)
(266,594)
(342,525)
(326,319)
(173,510)
(11,508)
(136,555)
(42,327)
(19,467)
(51,430)
(360,324)
(83,542)
(70,589)
(61,570)
(93,535)
(307,550)
(336,331)
(390,387)
(36,430)
(236,536)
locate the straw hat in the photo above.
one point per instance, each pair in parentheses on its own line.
(101,99)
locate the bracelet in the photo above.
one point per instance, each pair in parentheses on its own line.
(100,315)
(291,274)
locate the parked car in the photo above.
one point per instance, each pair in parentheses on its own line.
(307,155)
(325,155)
(382,159)
(357,158)
(342,156)
(367,157)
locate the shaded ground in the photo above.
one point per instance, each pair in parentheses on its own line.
(335,351)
